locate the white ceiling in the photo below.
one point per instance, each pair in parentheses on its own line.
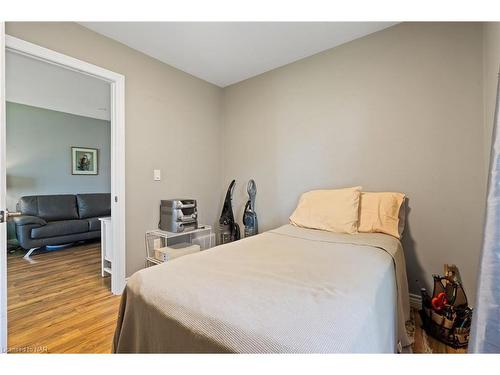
(40,84)
(225,53)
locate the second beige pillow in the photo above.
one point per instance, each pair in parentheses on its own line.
(380,213)
(332,210)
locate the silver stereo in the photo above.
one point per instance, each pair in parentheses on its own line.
(178,215)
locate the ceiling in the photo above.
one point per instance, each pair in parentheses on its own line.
(225,53)
(39,84)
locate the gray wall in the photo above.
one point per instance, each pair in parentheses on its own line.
(39,152)
(399,110)
(172,123)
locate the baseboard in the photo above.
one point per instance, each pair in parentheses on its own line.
(415,301)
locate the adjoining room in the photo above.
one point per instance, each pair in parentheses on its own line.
(59,183)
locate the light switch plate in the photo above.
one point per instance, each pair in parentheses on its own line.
(156,175)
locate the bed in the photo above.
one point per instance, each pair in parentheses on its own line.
(288,290)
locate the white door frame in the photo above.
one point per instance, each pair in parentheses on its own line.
(3,188)
(117,83)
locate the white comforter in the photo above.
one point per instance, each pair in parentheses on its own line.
(287,290)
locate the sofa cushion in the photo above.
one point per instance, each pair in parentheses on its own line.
(28,220)
(60,228)
(57,207)
(94,224)
(28,205)
(94,205)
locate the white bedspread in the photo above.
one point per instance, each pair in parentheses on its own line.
(287,290)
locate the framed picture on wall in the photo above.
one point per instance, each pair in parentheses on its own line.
(83,160)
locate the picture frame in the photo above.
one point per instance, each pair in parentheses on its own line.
(84,161)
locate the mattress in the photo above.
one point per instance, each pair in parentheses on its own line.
(289,290)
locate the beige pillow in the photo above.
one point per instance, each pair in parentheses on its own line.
(380,213)
(402,218)
(331,210)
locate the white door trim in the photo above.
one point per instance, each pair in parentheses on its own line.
(3,187)
(117,84)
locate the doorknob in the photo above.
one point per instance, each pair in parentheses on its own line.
(5,215)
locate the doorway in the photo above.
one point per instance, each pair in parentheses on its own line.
(117,160)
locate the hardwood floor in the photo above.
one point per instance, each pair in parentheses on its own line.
(60,303)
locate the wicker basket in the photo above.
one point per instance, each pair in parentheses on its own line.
(450,323)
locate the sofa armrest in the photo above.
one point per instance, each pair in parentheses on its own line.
(26,219)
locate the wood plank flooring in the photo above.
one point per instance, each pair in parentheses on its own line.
(60,303)
(427,344)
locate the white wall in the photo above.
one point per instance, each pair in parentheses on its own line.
(399,110)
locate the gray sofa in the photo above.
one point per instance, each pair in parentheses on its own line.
(60,219)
